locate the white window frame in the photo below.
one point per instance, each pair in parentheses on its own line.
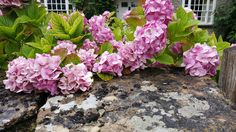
(209,14)
(67,9)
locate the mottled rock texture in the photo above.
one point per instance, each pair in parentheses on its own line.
(150,100)
(15,108)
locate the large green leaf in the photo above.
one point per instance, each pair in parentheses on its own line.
(28,51)
(165,58)
(106,47)
(105,76)
(118,33)
(136,17)
(71,58)
(77,27)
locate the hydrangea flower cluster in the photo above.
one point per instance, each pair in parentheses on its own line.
(201,60)
(149,40)
(109,63)
(88,57)
(10,2)
(100,32)
(65,45)
(44,74)
(90,45)
(177,48)
(19,76)
(158,10)
(75,78)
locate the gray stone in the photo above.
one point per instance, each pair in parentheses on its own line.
(150,100)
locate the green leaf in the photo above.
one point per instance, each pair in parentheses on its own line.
(117,33)
(106,47)
(78,39)
(136,17)
(27,51)
(165,59)
(71,58)
(77,27)
(11,47)
(104,76)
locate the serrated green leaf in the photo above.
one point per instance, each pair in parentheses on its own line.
(104,76)
(27,51)
(106,47)
(11,47)
(78,39)
(117,34)
(165,59)
(71,58)
(77,27)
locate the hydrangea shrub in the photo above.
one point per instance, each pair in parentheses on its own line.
(151,35)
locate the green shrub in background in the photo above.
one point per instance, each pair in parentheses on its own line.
(225,19)
(94,7)
(18,27)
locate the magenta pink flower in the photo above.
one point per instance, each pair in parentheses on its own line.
(106,14)
(201,60)
(88,57)
(109,63)
(131,59)
(66,44)
(116,44)
(158,10)
(75,78)
(10,2)
(1,13)
(126,14)
(18,75)
(177,48)
(46,71)
(99,30)
(150,39)
(90,45)
(188,10)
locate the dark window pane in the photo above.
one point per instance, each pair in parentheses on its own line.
(63,7)
(59,7)
(49,7)
(124,4)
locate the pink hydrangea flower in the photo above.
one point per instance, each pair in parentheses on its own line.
(90,45)
(18,75)
(66,44)
(10,2)
(188,10)
(1,13)
(177,48)
(99,30)
(126,14)
(201,60)
(150,39)
(75,78)
(117,44)
(109,63)
(158,10)
(88,57)
(46,71)
(106,14)
(131,59)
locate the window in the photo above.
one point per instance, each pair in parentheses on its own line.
(204,9)
(58,6)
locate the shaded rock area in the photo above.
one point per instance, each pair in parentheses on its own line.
(18,108)
(151,100)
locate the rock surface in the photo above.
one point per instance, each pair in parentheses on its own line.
(151,100)
(15,108)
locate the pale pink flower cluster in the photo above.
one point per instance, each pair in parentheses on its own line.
(88,57)
(188,10)
(158,10)
(126,14)
(149,40)
(10,2)
(106,14)
(109,63)
(177,48)
(19,76)
(46,70)
(90,45)
(117,44)
(41,73)
(65,44)
(201,60)
(75,78)
(99,30)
